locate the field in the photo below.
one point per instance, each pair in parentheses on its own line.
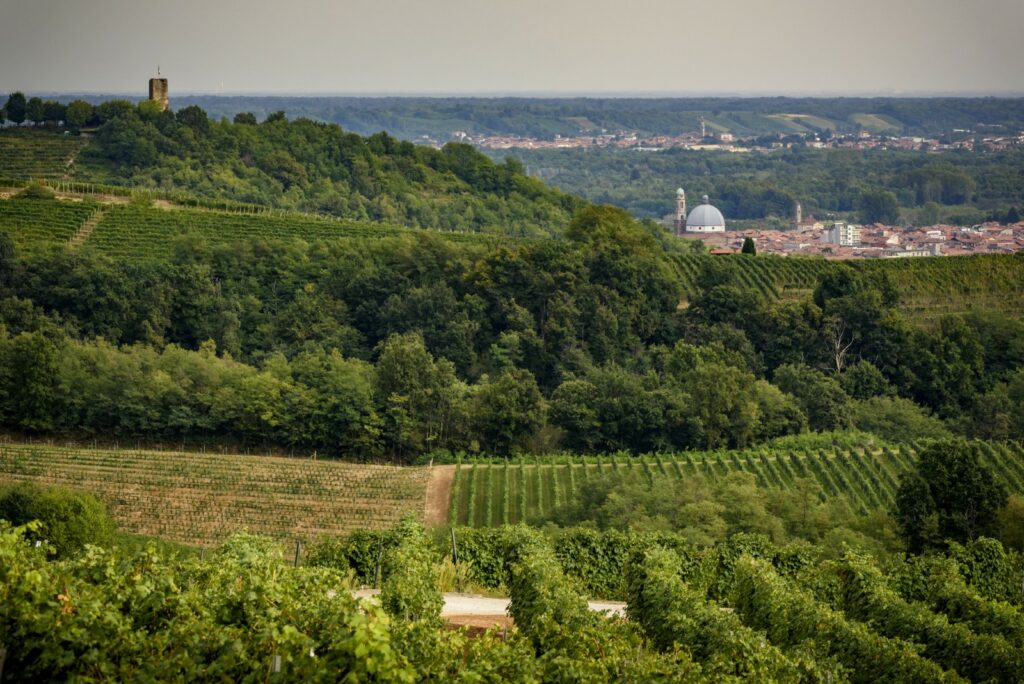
(37,154)
(876,123)
(199,499)
(487,494)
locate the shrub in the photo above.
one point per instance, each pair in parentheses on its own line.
(70,519)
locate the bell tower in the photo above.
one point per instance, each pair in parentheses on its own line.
(158,91)
(679,224)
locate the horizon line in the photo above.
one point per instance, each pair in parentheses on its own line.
(551,94)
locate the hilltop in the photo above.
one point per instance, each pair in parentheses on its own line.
(299,165)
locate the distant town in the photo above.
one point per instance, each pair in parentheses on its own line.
(838,240)
(957,139)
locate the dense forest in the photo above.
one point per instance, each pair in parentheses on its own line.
(925,188)
(402,346)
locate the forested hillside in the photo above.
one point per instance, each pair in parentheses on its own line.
(299,164)
(605,340)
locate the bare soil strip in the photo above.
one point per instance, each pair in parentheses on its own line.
(439,492)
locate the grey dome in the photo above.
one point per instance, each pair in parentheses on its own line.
(705,215)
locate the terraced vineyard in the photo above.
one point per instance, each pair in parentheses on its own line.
(134,232)
(489,494)
(37,154)
(200,499)
(36,223)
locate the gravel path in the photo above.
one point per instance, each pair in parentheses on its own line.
(470,604)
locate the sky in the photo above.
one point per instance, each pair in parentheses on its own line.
(486,47)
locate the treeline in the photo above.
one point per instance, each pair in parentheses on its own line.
(422,344)
(918,188)
(313,166)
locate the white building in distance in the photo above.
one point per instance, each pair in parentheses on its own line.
(705,217)
(842,234)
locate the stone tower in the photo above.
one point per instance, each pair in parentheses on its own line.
(798,218)
(679,224)
(158,91)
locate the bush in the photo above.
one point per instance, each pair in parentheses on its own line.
(36,191)
(70,519)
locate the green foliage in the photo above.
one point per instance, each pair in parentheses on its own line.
(866,597)
(951,493)
(35,191)
(875,205)
(144,617)
(303,164)
(820,396)
(508,411)
(896,419)
(68,520)
(409,588)
(748,246)
(673,614)
(791,616)
(15,107)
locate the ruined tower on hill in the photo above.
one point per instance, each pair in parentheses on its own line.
(158,91)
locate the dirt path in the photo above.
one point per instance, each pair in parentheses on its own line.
(84,230)
(439,492)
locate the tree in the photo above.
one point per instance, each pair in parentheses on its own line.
(1012,215)
(876,205)
(863,380)
(194,117)
(78,114)
(54,112)
(15,107)
(508,410)
(748,246)
(34,110)
(951,493)
(820,396)
(245,118)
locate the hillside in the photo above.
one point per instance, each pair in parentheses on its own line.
(202,498)
(298,165)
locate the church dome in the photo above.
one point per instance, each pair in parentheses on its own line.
(705,215)
(680,193)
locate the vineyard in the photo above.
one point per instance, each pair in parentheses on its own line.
(771,276)
(133,232)
(32,224)
(488,494)
(200,499)
(928,288)
(37,154)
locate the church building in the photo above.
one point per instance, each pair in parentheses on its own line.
(705,217)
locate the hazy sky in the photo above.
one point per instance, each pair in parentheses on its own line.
(514,46)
